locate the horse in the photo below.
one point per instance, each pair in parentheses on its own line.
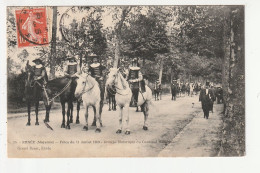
(64,88)
(33,94)
(111,92)
(123,97)
(157,91)
(88,89)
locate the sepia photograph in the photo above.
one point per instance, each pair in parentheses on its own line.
(125,81)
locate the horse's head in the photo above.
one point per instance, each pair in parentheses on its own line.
(84,81)
(112,75)
(29,73)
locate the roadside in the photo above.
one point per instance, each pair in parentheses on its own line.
(199,138)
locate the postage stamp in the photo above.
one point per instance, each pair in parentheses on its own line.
(31,27)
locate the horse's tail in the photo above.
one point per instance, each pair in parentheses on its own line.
(153,110)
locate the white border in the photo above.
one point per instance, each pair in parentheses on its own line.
(249,163)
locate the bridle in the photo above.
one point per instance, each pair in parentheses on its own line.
(90,88)
(115,83)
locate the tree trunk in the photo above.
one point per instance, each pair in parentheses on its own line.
(117,51)
(233,137)
(161,70)
(53,43)
(118,31)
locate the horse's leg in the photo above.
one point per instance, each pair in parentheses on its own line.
(63,114)
(137,110)
(97,117)
(48,108)
(29,112)
(86,118)
(127,132)
(68,115)
(113,103)
(78,108)
(160,95)
(146,112)
(36,111)
(71,112)
(120,120)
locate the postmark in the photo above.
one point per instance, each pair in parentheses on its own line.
(32,27)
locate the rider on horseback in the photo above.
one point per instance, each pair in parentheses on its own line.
(40,74)
(71,70)
(135,78)
(97,71)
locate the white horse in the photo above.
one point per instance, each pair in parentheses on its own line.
(88,89)
(123,98)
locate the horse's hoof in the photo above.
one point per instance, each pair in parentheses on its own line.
(36,123)
(137,111)
(93,124)
(127,132)
(115,109)
(145,128)
(101,125)
(98,130)
(119,131)
(68,127)
(62,126)
(71,121)
(77,121)
(46,120)
(85,128)
(28,124)
(109,109)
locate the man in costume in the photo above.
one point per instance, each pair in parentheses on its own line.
(71,70)
(97,71)
(135,79)
(40,74)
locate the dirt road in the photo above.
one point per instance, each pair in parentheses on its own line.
(176,128)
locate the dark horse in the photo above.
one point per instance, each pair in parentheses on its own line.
(33,94)
(157,91)
(111,92)
(64,88)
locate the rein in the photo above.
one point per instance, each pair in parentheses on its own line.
(119,88)
(82,92)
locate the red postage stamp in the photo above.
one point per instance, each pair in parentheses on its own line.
(32,27)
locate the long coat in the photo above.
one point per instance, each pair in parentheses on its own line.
(206,99)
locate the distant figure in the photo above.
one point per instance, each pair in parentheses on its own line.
(206,97)
(157,89)
(174,89)
(219,95)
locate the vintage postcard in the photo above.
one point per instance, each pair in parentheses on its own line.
(125,81)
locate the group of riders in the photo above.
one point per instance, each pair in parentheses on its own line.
(133,75)
(72,69)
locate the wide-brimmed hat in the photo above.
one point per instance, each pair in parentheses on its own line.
(39,60)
